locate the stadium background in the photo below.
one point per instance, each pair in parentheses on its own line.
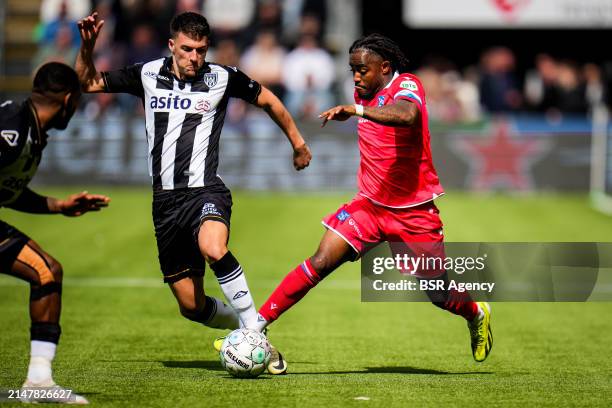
(518,99)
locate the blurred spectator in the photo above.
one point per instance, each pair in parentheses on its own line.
(541,89)
(595,88)
(267,18)
(228,17)
(54,16)
(143,45)
(263,61)
(62,49)
(188,5)
(308,74)
(572,91)
(294,12)
(499,88)
(71,10)
(450,97)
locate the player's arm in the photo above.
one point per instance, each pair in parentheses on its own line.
(91,80)
(277,111)
(400,113)
(73,206)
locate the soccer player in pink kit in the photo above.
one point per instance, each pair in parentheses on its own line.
(397,187)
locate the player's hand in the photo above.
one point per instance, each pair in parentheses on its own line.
(341,112)
(90,27)
(301,157)
(80,203)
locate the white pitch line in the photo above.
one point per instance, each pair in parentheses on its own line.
(132,282)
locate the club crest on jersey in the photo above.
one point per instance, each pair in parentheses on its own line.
(10,136)
(381,100)
(210,79)
(410,85)
(343,215)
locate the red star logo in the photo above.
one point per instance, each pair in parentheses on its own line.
(509,8)
(500,160)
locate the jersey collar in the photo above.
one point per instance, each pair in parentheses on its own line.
(167,67)
(395,75)
(38,137)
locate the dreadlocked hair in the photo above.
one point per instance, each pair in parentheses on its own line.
(385,47)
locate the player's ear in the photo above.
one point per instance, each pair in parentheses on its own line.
(386,67)
(171,44)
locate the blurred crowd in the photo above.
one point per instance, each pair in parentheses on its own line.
(282,44)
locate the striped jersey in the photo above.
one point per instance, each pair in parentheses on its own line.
(183,118)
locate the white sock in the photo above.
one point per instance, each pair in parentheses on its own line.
(237,293)
(42,354)
(260,324)
(222,316)
(235,288)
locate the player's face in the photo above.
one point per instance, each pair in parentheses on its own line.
(369,71)
(64,114)
(188,53)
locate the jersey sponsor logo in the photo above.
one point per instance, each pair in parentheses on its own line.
(156,76)
(16,184)
(210,79)
(381,100)
(203,105)
(10,136)
(170,102)
(343,216)
(411,85)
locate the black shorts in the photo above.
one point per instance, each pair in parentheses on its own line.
(12,242)
(177,216)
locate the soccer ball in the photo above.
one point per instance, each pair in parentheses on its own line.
(245,353)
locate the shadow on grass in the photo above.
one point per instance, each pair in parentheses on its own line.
(396,370)
(213,365)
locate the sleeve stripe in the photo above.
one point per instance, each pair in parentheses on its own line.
(409,94)
(105,80)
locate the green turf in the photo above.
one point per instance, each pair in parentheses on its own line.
(124,343)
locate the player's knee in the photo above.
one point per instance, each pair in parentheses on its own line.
(213,251)
(322,263)
(56,270)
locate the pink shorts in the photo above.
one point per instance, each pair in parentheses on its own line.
(414,230)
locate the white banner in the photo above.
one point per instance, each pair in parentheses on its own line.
(508,13)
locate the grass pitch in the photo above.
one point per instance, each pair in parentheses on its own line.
(125,344)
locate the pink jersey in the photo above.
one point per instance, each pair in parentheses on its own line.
(396,169)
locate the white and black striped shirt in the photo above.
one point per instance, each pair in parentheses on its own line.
(183,118)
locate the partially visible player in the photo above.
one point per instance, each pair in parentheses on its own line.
(23,126)
(397,187)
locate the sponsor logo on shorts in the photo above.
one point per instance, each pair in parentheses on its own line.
(210,209)
(353,224)
(343,216)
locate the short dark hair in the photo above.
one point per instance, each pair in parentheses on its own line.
(385,47)
(192,24)
(55,78)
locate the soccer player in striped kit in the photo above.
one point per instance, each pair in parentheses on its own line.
(185,100)
(397,187)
